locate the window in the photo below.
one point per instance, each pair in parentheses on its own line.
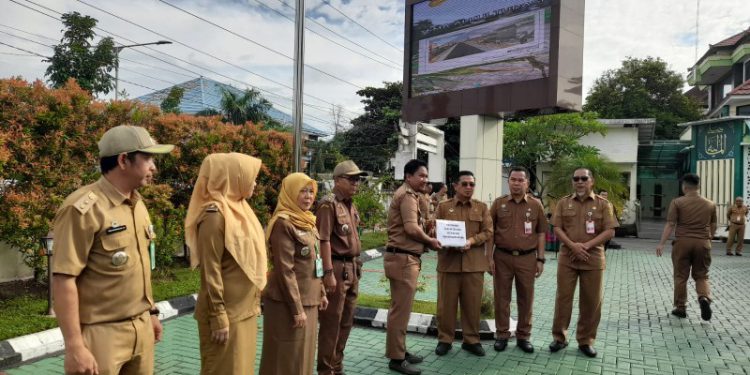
(747,71)
(743,110)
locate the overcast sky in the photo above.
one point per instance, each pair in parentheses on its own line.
(614,29)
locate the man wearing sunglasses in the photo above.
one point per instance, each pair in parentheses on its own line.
(461,270)
(583,222)
(518,243)
(337,221)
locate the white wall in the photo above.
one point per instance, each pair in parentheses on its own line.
(11,264)
(620,145)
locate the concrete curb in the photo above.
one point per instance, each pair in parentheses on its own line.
(50,342)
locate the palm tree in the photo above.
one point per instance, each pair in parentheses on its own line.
(250,106)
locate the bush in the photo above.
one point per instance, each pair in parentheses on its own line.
(369,202)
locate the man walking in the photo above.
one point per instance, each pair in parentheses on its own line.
(693,220)
(102,268)
(583,222)
(461,270)
(406,244)
(737,216)
(337,221)
(520,229)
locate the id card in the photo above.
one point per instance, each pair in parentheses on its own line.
(318,267)
(590,227)
(526,227)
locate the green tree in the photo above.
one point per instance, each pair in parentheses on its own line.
(171,104)
(548,138)
(644,88)
(607,176)
(250,106)
(373,138)
(75,57)
(325,155)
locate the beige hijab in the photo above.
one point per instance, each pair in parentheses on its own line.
(227,180)
(287,206)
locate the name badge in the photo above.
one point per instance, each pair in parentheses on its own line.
(116,228)
(319,267)
(527,228)
(590,229)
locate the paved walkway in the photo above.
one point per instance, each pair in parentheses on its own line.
(636,335)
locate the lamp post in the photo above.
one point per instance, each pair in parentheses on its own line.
(47,242)
(117,59)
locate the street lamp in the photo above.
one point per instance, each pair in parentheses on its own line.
(117,59)
(47,242)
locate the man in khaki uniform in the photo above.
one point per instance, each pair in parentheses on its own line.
(461,270)
(520,229)
(337,221)
(583,222)
(401,262)
(693,220)
(737,216)
(102,269)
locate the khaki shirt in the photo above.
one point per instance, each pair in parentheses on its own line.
(571,215)
(405,208)
(510,219)
(737,215)
(692,216)
(478,226)
(226,294)
(102,238)
(292,279)
(337,221)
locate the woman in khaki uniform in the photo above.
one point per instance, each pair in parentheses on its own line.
(227,241)
(295,288)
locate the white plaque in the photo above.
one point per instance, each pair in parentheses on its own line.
(451,233)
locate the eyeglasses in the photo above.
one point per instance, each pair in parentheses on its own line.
(354,179)
(580,178)
(467,183)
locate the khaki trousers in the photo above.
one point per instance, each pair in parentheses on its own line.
(287,350)
(690,256)
(237,355)
(336,321)
(125,347)
(589,303)
(402,271)
(738,232)
(522,268)
(466,287)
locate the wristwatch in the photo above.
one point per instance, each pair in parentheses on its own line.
(328,271)
(154,311)
(541,260)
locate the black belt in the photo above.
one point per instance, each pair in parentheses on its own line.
(515,252)
(343,258)
(401,251)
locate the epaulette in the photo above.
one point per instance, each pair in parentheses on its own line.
(212,208)
(85,202)
(328,198)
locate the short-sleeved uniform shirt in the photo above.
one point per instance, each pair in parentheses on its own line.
(476,215)
(510,218)
(337,221)
(405,208)
(571,215)
(102,237)
(692,216)
(737,215)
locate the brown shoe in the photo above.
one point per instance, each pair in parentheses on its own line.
(730,254)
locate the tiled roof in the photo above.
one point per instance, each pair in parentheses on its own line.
(204,93)
(743,89)
(732,40)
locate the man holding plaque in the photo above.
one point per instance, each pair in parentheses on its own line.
(461,269)
(520,229)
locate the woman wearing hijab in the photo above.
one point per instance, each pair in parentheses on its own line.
(227,241)
(295,288)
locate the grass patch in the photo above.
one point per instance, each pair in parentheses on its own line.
(371,240)
(384,302)
(23,315)
(175,282)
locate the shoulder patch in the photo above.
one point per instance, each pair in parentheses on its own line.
(84,203)
(327,199)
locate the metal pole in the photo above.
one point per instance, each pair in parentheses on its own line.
(117,69)
(50,310)
(299,79)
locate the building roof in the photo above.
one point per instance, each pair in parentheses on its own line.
(732,40)
(743,89)
(204,93)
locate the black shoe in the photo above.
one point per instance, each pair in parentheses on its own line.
(403,367)
(730,254)
(443,348)
(501,344)
(411,358)
(555,346)
(738,254)
(680,313)
(588,350)
(475,349)
(525,345)
(705,308)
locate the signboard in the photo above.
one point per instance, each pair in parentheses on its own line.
(451,233)
(716,141)
(470,57)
